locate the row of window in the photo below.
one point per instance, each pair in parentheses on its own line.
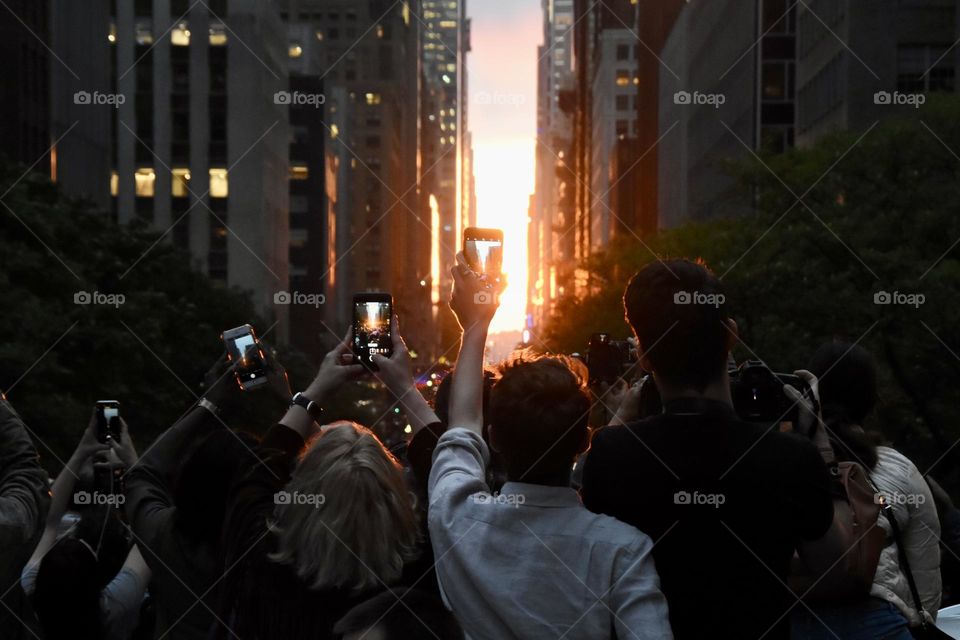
(145,180)
(179,35)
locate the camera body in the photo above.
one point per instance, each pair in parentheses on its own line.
(608,359)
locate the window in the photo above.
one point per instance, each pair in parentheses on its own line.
(218,35)
(219,184)
(295,50)
(623,102)
(145,182)
(180,35)
(923,68)
(623,77)
(373,98)
(180,186)
(623,51)
(143,33)
(623,127)
(299,172)
(114,183)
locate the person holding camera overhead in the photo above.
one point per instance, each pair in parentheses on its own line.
(530,561)
(727,502)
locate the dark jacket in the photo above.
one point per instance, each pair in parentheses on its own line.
(185,574)
(24,500)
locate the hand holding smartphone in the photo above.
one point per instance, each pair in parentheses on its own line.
(483,249)
(372,327)
(245,350)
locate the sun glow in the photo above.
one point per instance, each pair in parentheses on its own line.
(505,171)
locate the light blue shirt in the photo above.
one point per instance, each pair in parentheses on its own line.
(532,562)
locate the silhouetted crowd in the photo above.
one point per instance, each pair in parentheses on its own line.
(506,514)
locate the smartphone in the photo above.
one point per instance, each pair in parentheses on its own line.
(244,349)
(483,249)
(372,326)
(108,420)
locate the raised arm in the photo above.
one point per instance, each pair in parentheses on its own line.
(63,486)
(396,373)
(23,483)
(474,303)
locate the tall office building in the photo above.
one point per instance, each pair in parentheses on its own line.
(447,154)
(723,94)
(655,21)
(613,128)
(198,142)
(849,50)
(377,235)
(24,89)
(550,240)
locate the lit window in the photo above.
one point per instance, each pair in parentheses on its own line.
(146,180)
(295,50)
(180,187)
(143,34)
(448,24)
(623,77)
(218,35)
(334,131)
(112,34)
(379,30)
(451,67)
(180,35)
(373,98)
(319,34)
(219,185)
(114,183)
(299,172)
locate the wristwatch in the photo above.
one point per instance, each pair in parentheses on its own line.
(311,407)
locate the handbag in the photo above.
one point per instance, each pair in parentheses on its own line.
(926,630)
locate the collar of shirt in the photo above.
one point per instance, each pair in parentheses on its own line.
(540,495)
(698,406)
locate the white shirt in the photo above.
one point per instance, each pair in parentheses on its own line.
(533,562)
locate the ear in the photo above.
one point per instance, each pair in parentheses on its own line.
(732,334)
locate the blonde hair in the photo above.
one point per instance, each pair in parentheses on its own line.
(347,520)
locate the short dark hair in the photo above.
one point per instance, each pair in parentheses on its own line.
(404,614)
(847,378)
(538,412)
(685,339)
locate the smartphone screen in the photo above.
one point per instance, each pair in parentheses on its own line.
(371,327)
(244,349)
(108,420)
(483,249)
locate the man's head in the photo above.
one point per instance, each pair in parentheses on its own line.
(538,417)
(677,311)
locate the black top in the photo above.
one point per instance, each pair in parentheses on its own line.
(726,503)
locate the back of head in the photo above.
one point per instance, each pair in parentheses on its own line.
(67,594)
(847,379)
(441,403)
(204,481)
(538,415)
(400,614)
(346,490)
(676,309)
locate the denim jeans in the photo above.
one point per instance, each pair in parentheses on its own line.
(870,619)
